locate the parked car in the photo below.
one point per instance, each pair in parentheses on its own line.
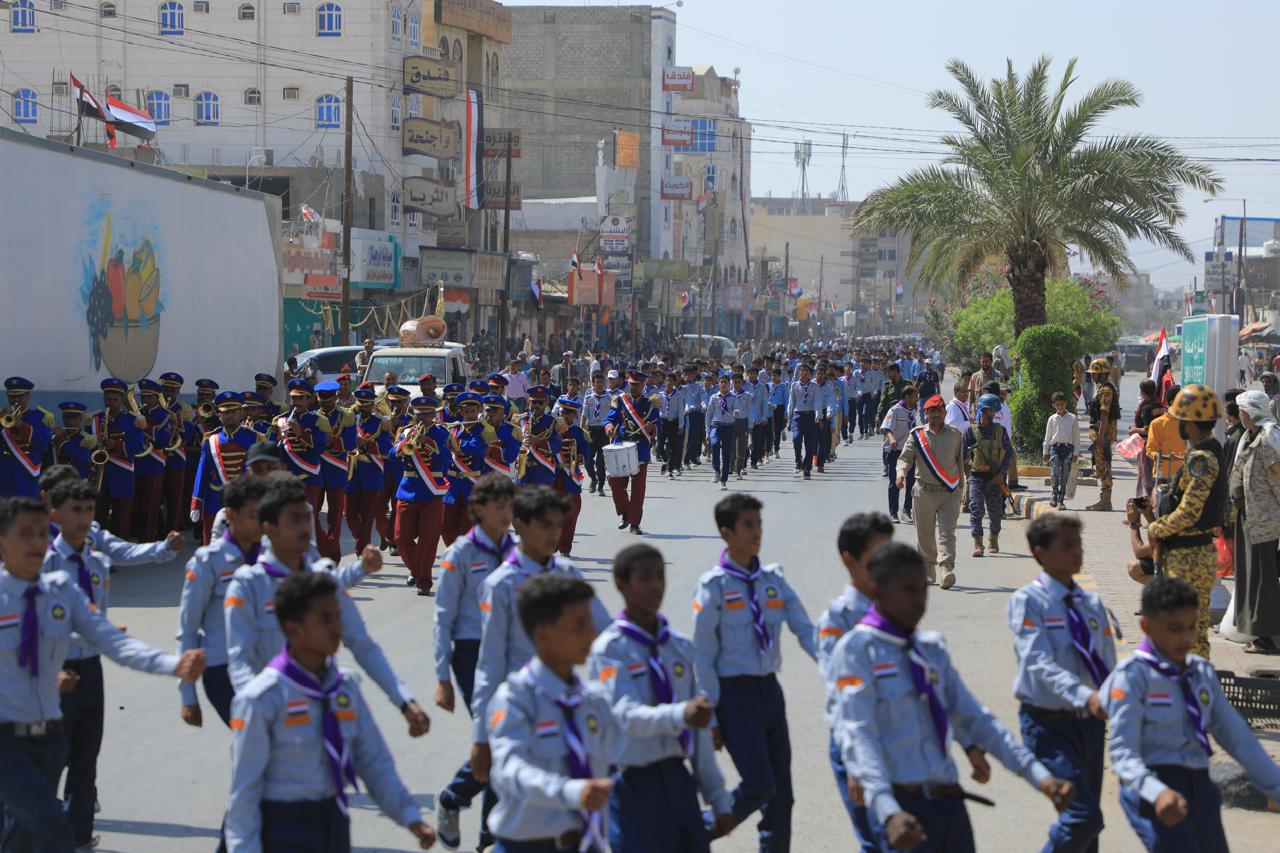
(701,346)
(326,363)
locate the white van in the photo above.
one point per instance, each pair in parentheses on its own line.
(699,346)
(444,362)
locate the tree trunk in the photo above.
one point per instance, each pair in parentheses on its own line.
(1027,268)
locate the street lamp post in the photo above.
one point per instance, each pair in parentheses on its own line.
(1244,217)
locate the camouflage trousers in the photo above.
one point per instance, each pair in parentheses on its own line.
(1197,566)
(1102,455)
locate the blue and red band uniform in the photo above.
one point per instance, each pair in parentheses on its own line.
(366,472)
(24,440)
(150,465)
(424,447)
(70,444)
(542,443)
(575,450)
(341,439)
(120,433)
(468,446)
(222,459)
(393,469)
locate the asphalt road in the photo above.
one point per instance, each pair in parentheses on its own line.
(162,785)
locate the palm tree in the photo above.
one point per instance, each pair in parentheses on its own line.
(1025,181)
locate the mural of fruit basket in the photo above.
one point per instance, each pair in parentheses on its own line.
(121,295)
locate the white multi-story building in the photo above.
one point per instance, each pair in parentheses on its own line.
(252,92)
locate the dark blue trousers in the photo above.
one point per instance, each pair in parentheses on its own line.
(805,441)
(1199,832)
(463,787)
(308,826)
(655,807)
(1072,750)
(822,429)
(753,721)
(218,690)
(891,462)
(862,832)
(945,821)
(83,711)
(867,425)
(722,438)
(697,433)
(33,818)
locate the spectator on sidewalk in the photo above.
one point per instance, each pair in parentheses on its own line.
(1142,568)
(1165,447)
(958,408)
(980,379)
(1256,477)
(1148,409)
(1061,447)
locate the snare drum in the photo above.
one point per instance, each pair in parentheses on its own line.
(622,460)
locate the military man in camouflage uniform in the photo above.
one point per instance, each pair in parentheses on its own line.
(1104,414)
(1184,535)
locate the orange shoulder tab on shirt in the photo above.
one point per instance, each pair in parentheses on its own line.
(496,718)
(697,606)
(608,672)
(1117,693)
(1028,623)
(830,631)
(233,601)
(191,575)
(486,607)
(448,566)
(848,681)
(237,723)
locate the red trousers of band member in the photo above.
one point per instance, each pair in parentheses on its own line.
(206,526)
(571,520)
(384,511)
(146,506)
(188,489)
(629,507)
(418,525)
(360,515)
(457,521)
(115,515)
(329,540)
(175,509)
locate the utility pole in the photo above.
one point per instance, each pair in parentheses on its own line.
(348,210)
(821,264)
(786,279)
(1244,215)
(506,250)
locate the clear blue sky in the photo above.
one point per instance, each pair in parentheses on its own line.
(852,63)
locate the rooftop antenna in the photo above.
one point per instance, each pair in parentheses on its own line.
(842,190)
(804,153)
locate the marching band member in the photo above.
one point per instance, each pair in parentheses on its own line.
(149,468)
(72,445)
(222,459)
(366,466)
(333,465)
(384,511)
(265,385)
(424,447)
(469,448)
(185,437)
(537,462)
(574,448)
(631,418)
(119,433)
(24,438)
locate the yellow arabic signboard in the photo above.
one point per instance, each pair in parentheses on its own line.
(439,139)
(434,198)
(439,77)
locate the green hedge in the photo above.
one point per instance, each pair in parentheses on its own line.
(1047,352)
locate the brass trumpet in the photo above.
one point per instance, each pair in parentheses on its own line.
(132,401)
(205,410)
(9,419)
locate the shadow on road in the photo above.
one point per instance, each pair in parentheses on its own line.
(150,827)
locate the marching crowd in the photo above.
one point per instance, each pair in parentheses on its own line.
(620,759)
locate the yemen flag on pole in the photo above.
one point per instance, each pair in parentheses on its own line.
(473,152)
(87,105)
(1160,372)
(131,120)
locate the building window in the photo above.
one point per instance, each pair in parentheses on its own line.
(208,110)
(200,7)
(246,12)
(60,87)
(292,8)
(704,137)
(444,48)
(113,91)
(329,20)
(415,106)
(671,51)
(733,184)
(107,10)
(493,79)
(253,97)
(394,218)
(158,104)
(395,112)
(173,20)
(415,28)
(891,254)
(289,93)
(733,230)
(328,111)
(397,20)
(711,178)
(457,50)
(415,221)
(23,17)
(666,214)
(25,108)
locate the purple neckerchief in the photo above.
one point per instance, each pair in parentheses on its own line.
(29,650)
(54,530)
(579,760)
(250,556)
(923,681)
(335,746)
(83,576)
(502,552)
(1082,639)
(273,568)
(1148,655)
(514,558)
(763,639)
(663,690)
(911,416)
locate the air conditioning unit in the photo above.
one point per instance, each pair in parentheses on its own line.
(200,7)
(181,90)
(60,87)
(293,8)
(262,157)
(290,93)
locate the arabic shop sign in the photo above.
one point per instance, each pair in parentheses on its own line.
(439,139)
(434,198)
(439,77)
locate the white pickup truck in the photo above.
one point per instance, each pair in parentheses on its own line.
(421,350)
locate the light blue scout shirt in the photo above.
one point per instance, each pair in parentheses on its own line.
(840,393)
(278,753)
(1051,674)
(803,397)
(61,608)
(504,645)
(1150,726)
(59,558)
(839,619)
(254,636)
(651,732)
(862,383)
(536,796)
(720,408)
(724,638)
(778,393)
(202,621)
(886,731)
(595,408)
(695,398)
(671,406)
(759,400)
(467,562)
